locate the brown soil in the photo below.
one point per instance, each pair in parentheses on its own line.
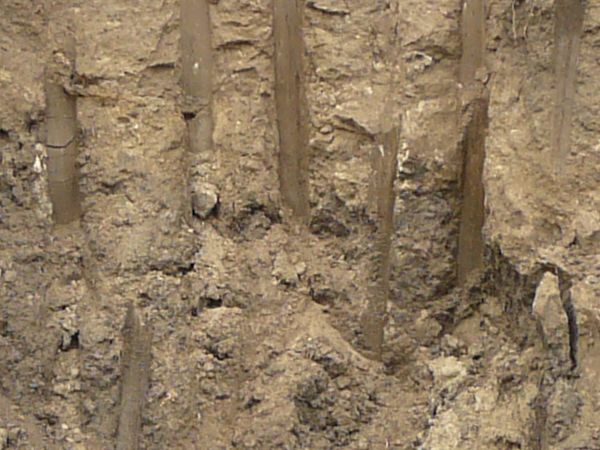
(240,224)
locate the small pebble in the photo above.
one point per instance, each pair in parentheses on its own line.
(326,129)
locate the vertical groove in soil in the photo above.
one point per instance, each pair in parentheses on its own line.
(135,376)
(290,99)
(472,214)
(568,25)
(62,128)
(385,163)
(375,315)
(197,85)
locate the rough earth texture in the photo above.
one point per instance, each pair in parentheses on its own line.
(255,318)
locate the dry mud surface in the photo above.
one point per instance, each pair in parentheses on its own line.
(213,292)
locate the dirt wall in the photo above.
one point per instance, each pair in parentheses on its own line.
(255,318)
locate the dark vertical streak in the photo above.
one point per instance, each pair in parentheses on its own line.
(197,84)
(62,139)
(565,283)
(135,376)
(375,318)
(568,25)
(473,39)
(472,215)
(475,97)
(290,100)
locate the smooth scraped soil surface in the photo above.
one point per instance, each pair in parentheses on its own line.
(252,318)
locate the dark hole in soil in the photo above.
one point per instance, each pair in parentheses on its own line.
(32,125)
(206,303)
(213,303)
(74,344)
